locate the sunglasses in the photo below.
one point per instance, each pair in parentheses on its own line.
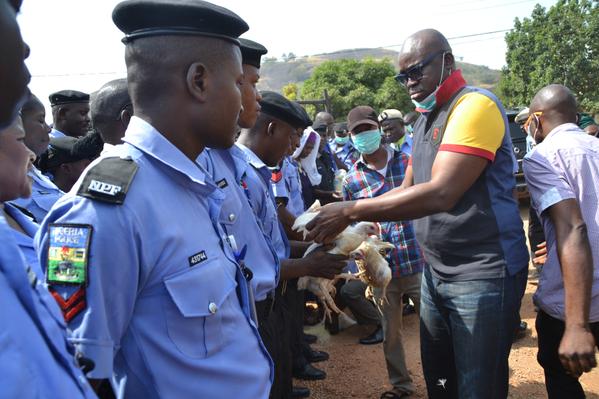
(529,120)
(415,72)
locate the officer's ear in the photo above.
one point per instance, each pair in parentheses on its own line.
(62,113)
(196,80)
(270,130)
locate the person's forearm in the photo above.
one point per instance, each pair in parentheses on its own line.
(577,269)
(401,204)
(298,248)
(292,268)
(287,220)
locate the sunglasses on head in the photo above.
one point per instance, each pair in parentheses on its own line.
(415,72)
(529,119)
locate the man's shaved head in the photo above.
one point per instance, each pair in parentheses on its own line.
(111,110)
(426,40)
(430,47)
(556,101)
(558,106)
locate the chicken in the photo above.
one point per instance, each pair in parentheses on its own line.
(344,244)
(374,269)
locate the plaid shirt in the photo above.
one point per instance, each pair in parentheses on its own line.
(363,182)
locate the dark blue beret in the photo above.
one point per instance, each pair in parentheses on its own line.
(71,149)
(68,97)
(276,105)
(143,18)
(251,52)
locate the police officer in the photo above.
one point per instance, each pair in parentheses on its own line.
(70,111)
(36,359)
(111,111)
(66,159)
(161,304)
(44,192)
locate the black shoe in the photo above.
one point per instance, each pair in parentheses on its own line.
(333,325)
(520,331)
(376,337)
(310,373)
(300,392)
(408,309)
(314,356)
(310,338)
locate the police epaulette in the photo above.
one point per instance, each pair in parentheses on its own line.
(109,180)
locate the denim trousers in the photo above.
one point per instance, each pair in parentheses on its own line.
(466,331)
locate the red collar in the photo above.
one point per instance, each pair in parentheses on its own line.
(449,87)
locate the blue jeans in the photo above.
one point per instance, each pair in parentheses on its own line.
(466,331)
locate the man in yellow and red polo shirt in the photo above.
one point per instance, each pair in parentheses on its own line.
(459,191)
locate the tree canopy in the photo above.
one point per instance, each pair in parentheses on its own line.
(558,45)
(357,82)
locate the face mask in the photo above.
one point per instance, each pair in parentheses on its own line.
(368,142)
(341,140)
(409,129)
(533,134)
(430,102)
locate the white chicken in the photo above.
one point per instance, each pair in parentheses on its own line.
(344,244)
(374,268)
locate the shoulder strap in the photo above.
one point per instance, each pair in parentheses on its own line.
(109,180)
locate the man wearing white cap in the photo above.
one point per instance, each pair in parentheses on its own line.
(393,126)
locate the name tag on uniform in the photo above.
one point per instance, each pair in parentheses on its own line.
(222,183)
(197,258)
(68,253)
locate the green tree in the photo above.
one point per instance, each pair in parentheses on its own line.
(351,83)
(290,91)
(558,45)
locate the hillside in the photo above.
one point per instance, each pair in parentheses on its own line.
(276,74)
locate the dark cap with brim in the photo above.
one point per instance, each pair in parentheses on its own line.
(145,18)
(68,97)
(277,106)
(361,115)
(71,149)
(251,52)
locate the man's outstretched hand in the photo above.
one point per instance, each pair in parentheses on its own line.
(331,221)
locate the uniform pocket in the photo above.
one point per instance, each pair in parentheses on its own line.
(193,308)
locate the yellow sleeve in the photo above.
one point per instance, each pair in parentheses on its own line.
(475,126)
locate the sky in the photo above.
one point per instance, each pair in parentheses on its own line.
(75,45)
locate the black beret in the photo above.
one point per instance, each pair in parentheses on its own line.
(71,149)
(143,18)
(251,52)
(68,97)
(276,105)
(302,111)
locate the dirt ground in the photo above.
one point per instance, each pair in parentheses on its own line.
(358,371)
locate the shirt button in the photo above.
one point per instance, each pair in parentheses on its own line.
(231,217)
(212,307)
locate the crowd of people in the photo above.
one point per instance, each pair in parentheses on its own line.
(148,248)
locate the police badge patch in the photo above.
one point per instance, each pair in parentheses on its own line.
(68,253)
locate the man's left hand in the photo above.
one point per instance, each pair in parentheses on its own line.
(329,223)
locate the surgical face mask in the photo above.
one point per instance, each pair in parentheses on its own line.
(430,102)
(409,129)
(341,140)
(368,142)
(529,131)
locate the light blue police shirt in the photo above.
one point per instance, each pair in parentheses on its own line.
(25,240)
(44,194)
(168,314)
(347,153)
(263,202)
(289,187)
(36,360)
(228,169)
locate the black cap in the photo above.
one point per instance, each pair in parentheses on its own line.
(71,149)
(319,126)
(302,111)
(143,18)
(251,52)
(360,115)
(68,97)
(276,105)
(340,127)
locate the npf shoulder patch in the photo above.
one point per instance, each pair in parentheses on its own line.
(68,253)
(109,180)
